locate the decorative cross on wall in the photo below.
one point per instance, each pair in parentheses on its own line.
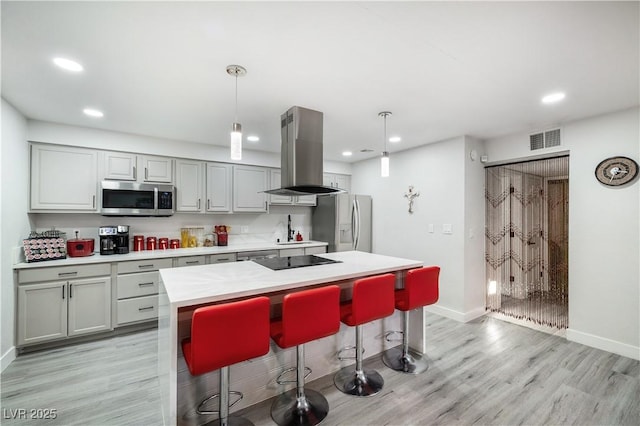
(410,196)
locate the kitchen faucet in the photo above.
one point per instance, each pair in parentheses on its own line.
(289,230)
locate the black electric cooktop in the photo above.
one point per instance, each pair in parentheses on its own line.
(280,263)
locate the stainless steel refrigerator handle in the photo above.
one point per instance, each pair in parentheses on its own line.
(357,215)
(353,224)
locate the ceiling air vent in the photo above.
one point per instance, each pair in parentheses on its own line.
(544,139)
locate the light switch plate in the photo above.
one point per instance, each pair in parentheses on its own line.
(446,228)
(244,229)
(431,228)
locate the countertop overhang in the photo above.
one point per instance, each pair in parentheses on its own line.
(203,284)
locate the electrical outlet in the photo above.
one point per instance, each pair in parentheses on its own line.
(244,229)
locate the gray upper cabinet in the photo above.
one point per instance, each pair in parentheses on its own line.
(249,184)
(63,178)
(218,186)
(137,168)
(275,182)
(335,180)
(189,183)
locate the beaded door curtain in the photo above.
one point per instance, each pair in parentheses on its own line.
(527,240)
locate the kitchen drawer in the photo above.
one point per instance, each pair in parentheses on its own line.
(222,258)
(134,285)
(63,273)
(298,251)
(190,261)
(315,250)
(144,265)
(137,309)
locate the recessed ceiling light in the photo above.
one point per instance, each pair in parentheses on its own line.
(395,139)
(253,138)
(347,153)
(93,112)
(68,64)
(553,97)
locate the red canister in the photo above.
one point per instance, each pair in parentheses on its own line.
(174,244)
(138,242)
(163,243)
(152,243)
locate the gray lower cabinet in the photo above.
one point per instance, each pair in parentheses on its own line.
(137,287)
(299,251)
(51,307)
(190,261)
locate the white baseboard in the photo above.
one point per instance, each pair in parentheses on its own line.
(7,358)
(605,344)
(456,315)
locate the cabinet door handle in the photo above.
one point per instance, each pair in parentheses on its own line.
(146,308)
(192,262)
(146,173)
(145,284)
(208,203)
(198,203)
(145,266)
(70,291)
(63,286)
(135,173)
(93,202)
(67,274)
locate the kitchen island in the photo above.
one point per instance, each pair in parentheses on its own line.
(183,290)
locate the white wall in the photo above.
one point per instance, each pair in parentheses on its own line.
(604,234)
(14,222)
(443,176)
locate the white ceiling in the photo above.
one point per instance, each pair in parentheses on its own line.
(444,69)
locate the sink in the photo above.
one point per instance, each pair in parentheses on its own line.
(289,243)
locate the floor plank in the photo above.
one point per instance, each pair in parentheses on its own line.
(486,372)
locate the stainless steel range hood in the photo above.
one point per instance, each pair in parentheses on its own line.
(301,154)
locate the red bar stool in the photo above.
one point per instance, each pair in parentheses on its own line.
(420,289)
(306,315)
(371,299)
(222,335)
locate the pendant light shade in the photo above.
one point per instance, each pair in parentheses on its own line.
(236,128)
(384,160)
(384,164)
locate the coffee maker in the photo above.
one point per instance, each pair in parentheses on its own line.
(114,239)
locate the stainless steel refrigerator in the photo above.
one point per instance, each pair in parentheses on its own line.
(343,221)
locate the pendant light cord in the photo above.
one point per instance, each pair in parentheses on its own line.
(385,132)
(236,120)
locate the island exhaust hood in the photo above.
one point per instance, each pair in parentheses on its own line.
(301,154)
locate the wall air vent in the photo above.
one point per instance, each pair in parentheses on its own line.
(545,139)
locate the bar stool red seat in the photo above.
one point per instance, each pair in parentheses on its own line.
(306,315)
(372,298)
(222,335)
(420,289)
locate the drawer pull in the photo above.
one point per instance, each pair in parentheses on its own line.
(192,262)
(145,284)
(67,274)
(226,259)
(146,266)
(146,308)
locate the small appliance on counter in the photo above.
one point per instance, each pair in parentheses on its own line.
(114,239)
(222,234)
(80,247)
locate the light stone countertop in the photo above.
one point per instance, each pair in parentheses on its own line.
(168,253)
(211,283)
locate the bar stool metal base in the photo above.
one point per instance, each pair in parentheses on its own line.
(231,421)
(411,362)
(287,410)
(363,383)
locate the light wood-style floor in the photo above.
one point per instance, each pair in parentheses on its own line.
(483,372)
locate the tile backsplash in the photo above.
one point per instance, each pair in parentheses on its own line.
(245,227)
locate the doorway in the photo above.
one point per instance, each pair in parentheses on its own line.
(527,240)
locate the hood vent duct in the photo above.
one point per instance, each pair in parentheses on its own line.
(301,154)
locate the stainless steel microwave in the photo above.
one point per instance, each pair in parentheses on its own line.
(137,199)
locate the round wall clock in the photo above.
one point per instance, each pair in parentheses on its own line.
(616,171)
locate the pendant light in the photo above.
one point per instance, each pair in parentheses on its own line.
(236,128)
(384,160)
